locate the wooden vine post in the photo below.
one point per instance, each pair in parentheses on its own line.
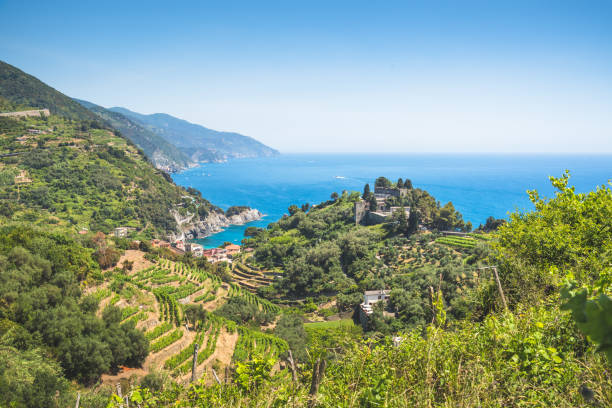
(292,367)
(194,364)
(317,375)
(499,288)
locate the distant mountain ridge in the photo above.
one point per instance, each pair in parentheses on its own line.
(200,143)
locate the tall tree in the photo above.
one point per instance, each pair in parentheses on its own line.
(402,221)
(413,220)
(293,209)
(400,183)
(382,182)
(372,202)
(366,192)
(408,184)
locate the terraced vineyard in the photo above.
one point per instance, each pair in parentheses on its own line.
(460,242)
(254,342)
(250,277)
(265,305)
(168,287)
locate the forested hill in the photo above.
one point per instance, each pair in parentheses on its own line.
(78,175)
(200,143)
(162,153)
(23,89)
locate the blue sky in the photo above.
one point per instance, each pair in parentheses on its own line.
(435,76)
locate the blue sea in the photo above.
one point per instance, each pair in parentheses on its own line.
(479,186)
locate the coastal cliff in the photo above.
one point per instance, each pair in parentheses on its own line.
(191,227)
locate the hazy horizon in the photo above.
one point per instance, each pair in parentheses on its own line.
(342,77)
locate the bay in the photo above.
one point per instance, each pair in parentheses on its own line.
(479,185)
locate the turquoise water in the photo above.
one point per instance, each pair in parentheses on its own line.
(478,185)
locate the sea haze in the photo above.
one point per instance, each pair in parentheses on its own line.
(478,185)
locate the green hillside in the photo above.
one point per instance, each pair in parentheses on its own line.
(72,175)
(161,153)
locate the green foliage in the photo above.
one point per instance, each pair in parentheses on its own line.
(569,233)
(252,342)
(166,340)
(156,148)
(235,210)
(460,242)
(290,328)
(383,182)
(157,331)
(29,379)
(251,374)
(593,315)
(39,277)
(240,310)
(90,179)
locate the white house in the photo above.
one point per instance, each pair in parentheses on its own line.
(369,298)
(373,296)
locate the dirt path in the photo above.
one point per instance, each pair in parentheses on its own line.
(135,256)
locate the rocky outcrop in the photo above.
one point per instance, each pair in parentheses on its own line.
(192,227)
(245,216)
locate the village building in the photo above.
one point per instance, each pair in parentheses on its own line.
(121,232)
(158,243)
(216,255)
(232,249)
(179,244)
(196,250)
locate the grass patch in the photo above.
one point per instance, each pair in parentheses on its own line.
(332,324)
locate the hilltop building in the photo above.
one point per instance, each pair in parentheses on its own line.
(383,212)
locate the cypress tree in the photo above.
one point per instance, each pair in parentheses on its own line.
(366,192)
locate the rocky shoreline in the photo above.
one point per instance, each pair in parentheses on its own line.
(215,222)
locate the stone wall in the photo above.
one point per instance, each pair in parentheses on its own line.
(391,191)
(37,112)
(360,211)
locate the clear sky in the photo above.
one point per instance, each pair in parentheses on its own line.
(337,76)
